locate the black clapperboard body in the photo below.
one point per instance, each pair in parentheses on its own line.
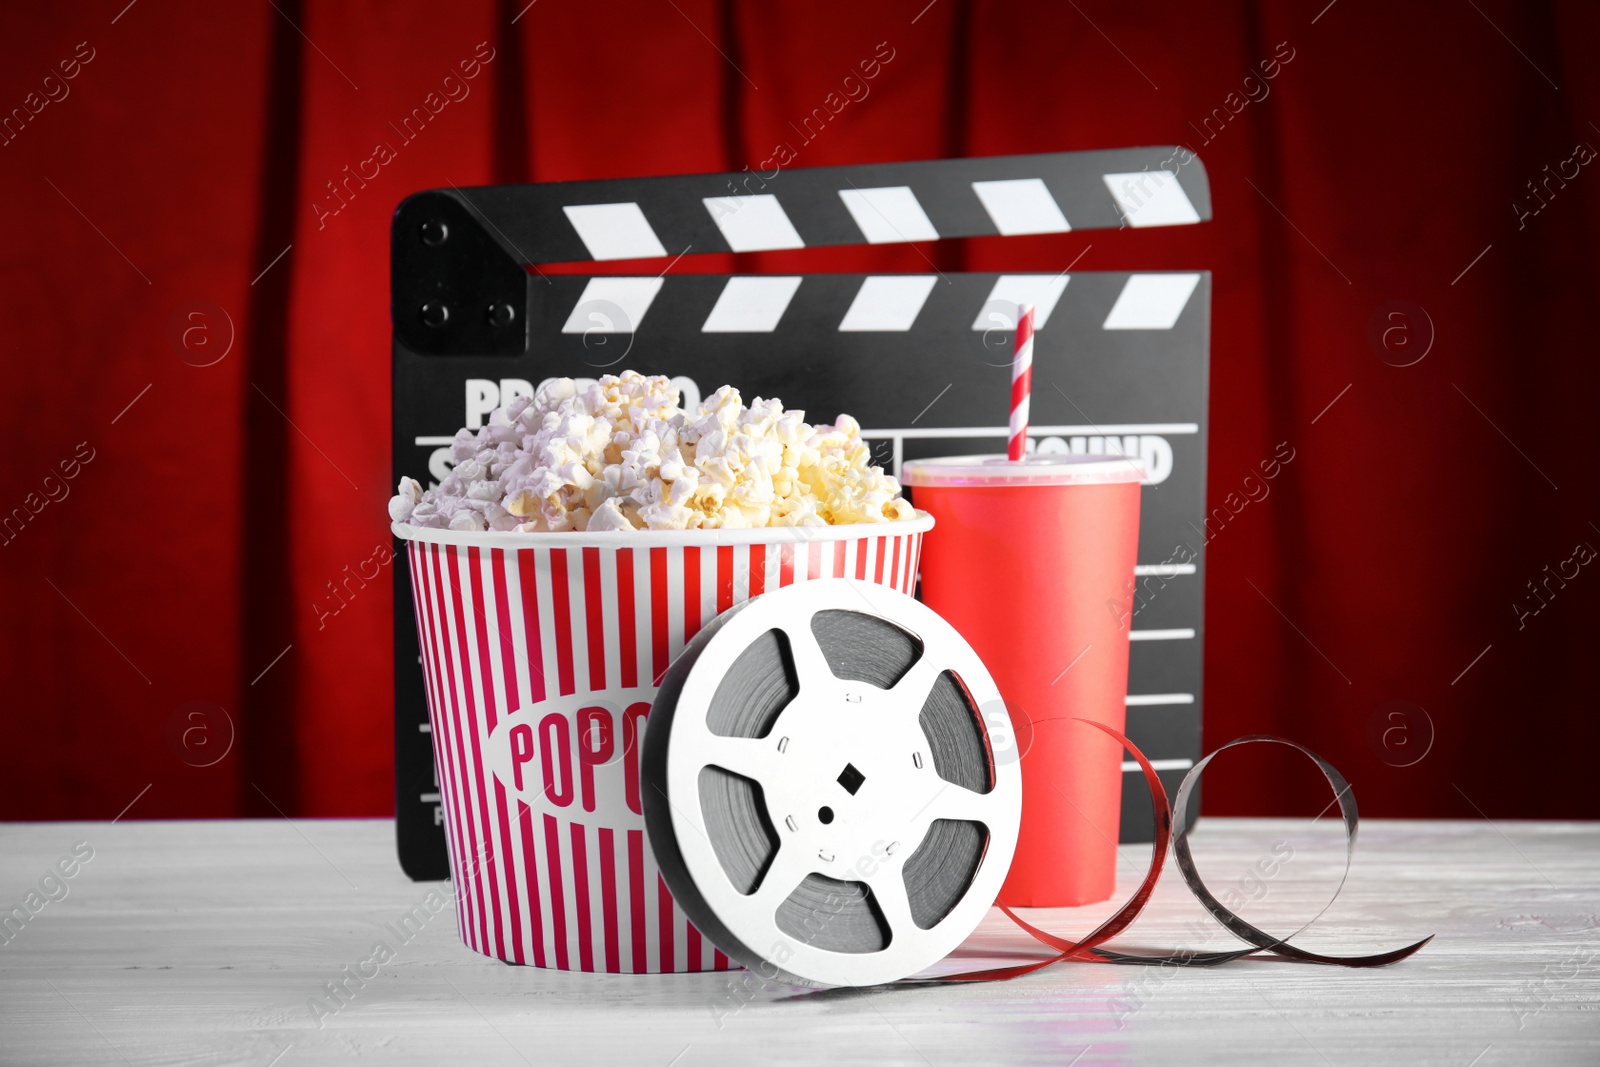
(1120,360)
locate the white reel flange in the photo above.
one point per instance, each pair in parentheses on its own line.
(831,784)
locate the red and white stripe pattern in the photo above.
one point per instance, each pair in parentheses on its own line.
(1021,384)
(502,629)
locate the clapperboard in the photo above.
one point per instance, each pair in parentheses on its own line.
(921,360)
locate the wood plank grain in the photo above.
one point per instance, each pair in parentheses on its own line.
(209,942)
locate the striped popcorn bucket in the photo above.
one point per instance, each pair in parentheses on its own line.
(540,656)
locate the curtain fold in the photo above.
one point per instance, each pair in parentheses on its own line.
(216,553)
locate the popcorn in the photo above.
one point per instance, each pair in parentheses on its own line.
(622,455)
(404,503)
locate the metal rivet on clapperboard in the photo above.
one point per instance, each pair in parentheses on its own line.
(435,314)
(501,315)
(434,232)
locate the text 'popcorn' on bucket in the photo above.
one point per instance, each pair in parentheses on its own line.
(622,454)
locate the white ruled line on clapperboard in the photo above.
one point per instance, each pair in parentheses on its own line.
(1151,699)
(1160,765)
(1145,700)
(1110,439)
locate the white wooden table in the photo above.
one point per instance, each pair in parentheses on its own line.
(204,942)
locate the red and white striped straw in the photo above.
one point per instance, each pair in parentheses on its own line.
(1021,384)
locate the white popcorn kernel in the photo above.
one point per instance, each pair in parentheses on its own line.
(522,503)
(608,516)
(502,434)
(621,453)
(405,499)
(499,519)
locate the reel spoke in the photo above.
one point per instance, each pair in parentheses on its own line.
(748,757)
(914,688)
(889,892)
(958,803)
(789,868)
(809,660)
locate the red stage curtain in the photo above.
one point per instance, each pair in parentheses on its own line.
(1427,153)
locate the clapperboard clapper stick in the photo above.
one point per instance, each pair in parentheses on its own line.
(921,360)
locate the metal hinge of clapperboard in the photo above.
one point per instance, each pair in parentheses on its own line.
(920,359)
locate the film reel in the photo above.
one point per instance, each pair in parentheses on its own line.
(831,784)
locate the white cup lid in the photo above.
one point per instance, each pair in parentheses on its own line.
(1057,468)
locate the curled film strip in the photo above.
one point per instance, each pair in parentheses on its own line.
(823,790)
(829,793)
(1088,949)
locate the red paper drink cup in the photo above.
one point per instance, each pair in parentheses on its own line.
(540,657)
(1033,564)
